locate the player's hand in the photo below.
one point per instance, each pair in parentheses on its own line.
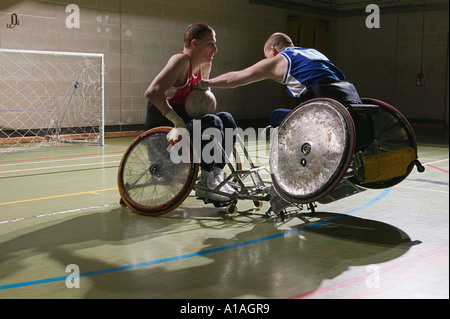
(202,86)
(175,135)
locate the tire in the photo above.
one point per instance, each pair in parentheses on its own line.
(149,182)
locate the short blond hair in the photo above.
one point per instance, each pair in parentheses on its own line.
(279,41)
(195,31)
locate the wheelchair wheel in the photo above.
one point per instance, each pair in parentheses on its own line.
(312,151)
(149,182)
(392,135)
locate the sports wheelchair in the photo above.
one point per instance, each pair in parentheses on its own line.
(315,156)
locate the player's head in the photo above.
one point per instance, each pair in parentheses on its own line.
(196,31)
(276,43)
(200,42)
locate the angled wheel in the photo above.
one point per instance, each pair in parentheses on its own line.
(391,155)
(312,151)
(149,182)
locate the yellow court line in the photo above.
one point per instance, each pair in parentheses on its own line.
(95,192)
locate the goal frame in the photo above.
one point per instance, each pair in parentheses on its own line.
(81,54)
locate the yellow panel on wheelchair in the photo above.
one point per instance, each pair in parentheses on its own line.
(391,155)
(385,166)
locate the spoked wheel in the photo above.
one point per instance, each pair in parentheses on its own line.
(312,151)
(394,148)
(149,181)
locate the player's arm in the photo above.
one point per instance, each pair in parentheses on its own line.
(206,70)
(267,69)
(172,74)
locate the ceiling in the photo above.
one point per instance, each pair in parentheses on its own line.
(343,7)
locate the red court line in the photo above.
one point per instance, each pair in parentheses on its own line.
(58,157)
(386,283)
(440,169)
(363,278)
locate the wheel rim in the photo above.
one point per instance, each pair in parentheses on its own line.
(150,182)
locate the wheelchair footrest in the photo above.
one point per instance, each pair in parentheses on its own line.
(388,165)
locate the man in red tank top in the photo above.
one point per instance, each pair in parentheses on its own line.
(169,89)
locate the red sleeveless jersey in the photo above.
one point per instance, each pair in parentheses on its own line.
(178,95)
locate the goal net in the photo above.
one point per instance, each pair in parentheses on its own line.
(50,97)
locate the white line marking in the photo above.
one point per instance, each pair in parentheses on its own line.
(79,210)
(59,160)
(55,167)
(421,189)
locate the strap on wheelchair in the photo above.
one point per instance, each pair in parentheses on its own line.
(363,108)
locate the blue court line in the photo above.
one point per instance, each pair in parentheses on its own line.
(428,181)
(196,254)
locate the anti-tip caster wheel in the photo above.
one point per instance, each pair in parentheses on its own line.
(122,203)
(231,210)
(257,205)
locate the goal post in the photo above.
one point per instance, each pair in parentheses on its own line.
(49,97)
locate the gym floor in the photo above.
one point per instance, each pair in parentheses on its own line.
(60,214)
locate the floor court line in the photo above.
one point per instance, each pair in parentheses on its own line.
(76,210)
(55,167)
(93,192)
(423,189)
(440,251)
(403,275)
(43,281)
(58,157)
(47,150)
(195,254)
(437,161)
(439,169)
(56,160)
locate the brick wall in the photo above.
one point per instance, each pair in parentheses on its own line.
(138,36)
(384,62)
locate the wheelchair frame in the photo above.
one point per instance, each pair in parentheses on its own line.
(248,182)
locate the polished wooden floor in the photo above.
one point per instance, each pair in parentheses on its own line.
(59,214)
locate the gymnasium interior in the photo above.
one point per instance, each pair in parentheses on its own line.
(64,233)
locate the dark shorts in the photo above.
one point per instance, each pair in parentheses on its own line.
(220,120)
